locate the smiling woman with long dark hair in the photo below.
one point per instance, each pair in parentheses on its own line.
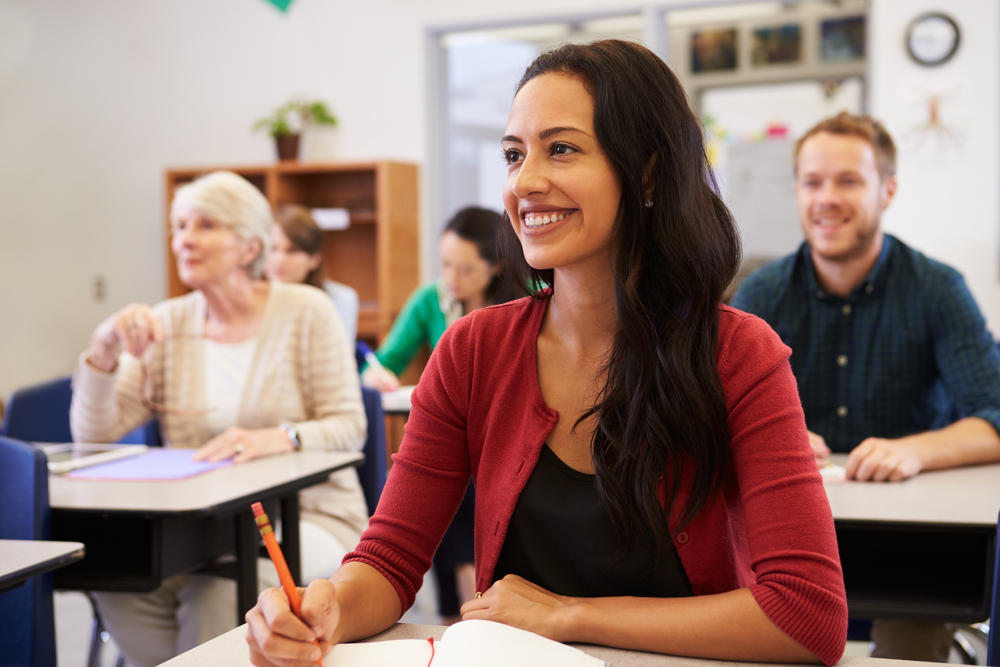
(643,473)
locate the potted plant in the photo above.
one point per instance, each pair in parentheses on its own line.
(287,122)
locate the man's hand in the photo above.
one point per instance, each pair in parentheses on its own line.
(882,460)
(819,448)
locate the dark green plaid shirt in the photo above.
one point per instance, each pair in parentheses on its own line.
(907,351)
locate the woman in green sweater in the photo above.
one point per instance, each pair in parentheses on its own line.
(471,277)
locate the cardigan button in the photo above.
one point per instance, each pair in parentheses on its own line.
(682,538)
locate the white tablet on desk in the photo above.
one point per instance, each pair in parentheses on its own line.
(64,457)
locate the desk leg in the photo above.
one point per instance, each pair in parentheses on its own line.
(246,563)
(291,547)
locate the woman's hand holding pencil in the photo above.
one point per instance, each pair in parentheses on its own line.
(295,627)
(277,636)
(290,628)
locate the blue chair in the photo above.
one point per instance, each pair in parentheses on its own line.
(26,613)
(372,473)
(40,413)
(993,643)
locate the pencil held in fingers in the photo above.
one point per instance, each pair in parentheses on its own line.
(278,558)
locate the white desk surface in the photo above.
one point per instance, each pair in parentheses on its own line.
(31,557)
(398,401)
(963,496)
(201,493)
(230,650)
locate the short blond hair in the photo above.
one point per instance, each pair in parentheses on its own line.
(866,128)
(231,200)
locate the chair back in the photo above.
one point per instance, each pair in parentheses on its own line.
(26,613)
(372,473)
(993,643)
(40,413)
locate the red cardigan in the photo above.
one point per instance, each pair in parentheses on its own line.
(479,411)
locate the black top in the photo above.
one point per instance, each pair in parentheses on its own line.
(561,538)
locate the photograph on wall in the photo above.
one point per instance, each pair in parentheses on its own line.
(776,44)
(842,39)
(713,51)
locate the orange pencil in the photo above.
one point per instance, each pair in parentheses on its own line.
(278,558)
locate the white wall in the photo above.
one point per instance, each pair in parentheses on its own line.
(948,203)
(98,97)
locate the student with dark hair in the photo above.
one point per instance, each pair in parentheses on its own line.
(643,474)
(471,277)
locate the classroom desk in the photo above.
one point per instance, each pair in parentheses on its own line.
(396,406)
(921,549)
(230,650)
(21,560)
(140,533)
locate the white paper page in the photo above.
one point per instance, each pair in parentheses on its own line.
(489,644)
(394,653)
(398,400)
(832,473)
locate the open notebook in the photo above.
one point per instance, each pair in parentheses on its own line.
(480,643)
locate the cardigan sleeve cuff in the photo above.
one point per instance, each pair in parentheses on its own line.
(403,578)
(310,435)
(93,386)
(813,616)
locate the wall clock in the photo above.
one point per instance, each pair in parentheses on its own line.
(932,39)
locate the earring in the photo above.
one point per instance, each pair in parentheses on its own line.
(649,203)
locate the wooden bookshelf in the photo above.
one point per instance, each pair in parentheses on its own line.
(378,254)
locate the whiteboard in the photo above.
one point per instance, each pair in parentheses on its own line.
(755,170)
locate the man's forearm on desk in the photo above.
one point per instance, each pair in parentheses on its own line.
(965,442)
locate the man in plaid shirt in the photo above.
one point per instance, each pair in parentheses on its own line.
(891,354)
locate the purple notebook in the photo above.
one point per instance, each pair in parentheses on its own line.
(156,464)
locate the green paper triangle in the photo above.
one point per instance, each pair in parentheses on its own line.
(282,5)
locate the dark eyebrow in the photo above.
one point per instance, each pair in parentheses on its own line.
(544,134)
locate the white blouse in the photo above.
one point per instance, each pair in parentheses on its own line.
(226,368)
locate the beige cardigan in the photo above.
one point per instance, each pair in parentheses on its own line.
(303,372)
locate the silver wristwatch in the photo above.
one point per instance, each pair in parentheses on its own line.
(292,434)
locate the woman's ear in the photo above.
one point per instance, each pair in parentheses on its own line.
(647,178)
(253,249)
(315,261)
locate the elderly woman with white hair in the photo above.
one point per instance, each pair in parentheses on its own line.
(238,368)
